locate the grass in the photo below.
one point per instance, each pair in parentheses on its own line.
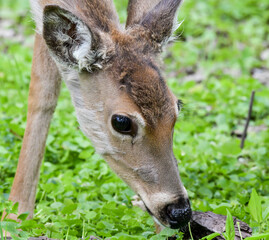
(79,196)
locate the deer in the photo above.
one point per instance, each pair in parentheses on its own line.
(122,102)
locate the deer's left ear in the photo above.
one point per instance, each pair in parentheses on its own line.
(161,20)
(70,40)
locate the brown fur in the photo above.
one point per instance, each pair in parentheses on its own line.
(127,81)
(160,19)
(97,14)
(137,9)
(146,87)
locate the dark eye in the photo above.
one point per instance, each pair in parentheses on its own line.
(124,125)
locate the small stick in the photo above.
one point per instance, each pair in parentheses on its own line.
(244,135)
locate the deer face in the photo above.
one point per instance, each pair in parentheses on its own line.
(123,105)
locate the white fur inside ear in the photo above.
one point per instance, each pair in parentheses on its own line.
(172,38)
(176,25)
(83,53)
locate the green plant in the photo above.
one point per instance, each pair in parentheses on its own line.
(209,68)
(11,226)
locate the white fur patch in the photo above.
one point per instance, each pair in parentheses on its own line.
(163,197)
(176,25)
(37,13)
(139,119)
(172,38)
(136,201)
(83,53)
(89,119)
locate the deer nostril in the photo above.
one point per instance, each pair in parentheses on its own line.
(178,216)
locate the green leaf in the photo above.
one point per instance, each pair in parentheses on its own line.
(255,206)
(265,213)
(56,205)
(24,235)
(230,148)
(15,207)
(23,216)
(211,236)
(229,227)
(53,227)
(1,231)
(29,224)
(69,206)
(3,150)
(90,215)
(221,208)
(85,154)
(56,235)
(10,227)
(104,225)
(167,232)
(258,236)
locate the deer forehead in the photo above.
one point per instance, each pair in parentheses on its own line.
(140,78)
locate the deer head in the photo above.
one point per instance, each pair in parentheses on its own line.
(121,99)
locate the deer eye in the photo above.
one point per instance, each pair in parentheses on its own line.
(124,125)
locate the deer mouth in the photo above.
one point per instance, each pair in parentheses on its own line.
(138,201)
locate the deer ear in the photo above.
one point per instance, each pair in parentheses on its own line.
(70,40)
(161,20)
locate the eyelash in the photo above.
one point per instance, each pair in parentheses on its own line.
(180,104)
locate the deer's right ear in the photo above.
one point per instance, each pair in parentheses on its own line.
(161,20)
(70,40)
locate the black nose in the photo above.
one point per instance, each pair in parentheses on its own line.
(179,214)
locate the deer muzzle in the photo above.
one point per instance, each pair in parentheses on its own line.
(178,215)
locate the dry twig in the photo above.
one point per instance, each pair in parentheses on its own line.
(244,135)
